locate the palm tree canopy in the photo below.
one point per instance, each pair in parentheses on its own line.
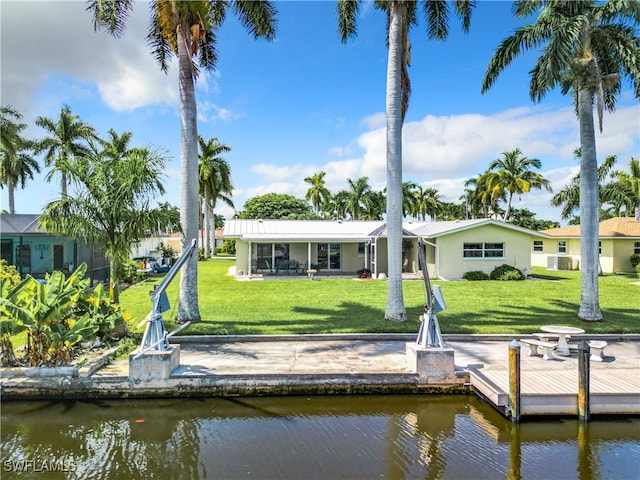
(214,171)
(585,43)
(317,193)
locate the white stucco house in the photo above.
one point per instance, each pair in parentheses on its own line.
(619,238)
(291,247)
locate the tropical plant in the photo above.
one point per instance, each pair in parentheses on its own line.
(111,204)
(105,316)
(68,139)
(46,311)
(318,193)
(215,184)
(187,29)
(511,175)
(401,15)
(587,46)
(10,324)
(16,163)
(359,194)
(9,273)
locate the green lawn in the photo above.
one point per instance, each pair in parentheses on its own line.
(299,305)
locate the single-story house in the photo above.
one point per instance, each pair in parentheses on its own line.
(33,251)
(619,239)
(344,247)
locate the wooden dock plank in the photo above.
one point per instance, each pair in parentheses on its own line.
(555,393)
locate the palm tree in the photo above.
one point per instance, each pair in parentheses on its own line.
(626,189)
(569,196)
(588,46)
(68,138)
(16,164)
(318,193)
(111,204)
(408,197)
(215,184)
(511,175)
(427,203)
(401,15)
(336,205)
(356,201)
(187,29)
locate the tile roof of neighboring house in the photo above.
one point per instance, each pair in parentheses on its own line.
(613,227)
(20,224)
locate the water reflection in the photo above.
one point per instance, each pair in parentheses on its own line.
(307,437)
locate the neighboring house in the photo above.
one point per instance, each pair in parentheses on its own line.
(344,247)
(619,239)
(24,244)
(460,246)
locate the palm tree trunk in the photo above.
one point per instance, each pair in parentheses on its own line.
(212,233)
(12,197)
(114,290)
(207,225)
(188,309)
(589,210)
(395,302)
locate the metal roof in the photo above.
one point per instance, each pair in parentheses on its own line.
(20,224)
(305,230)
(354,230)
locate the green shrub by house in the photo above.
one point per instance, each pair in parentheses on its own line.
(506,272)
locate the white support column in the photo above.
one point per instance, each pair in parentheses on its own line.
(308,255)
(249,259)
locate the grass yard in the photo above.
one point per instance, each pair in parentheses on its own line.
(298,305)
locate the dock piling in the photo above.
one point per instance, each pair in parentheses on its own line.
(584,355)
(514,381)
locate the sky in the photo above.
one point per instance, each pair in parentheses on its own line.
(303,103)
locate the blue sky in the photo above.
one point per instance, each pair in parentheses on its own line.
(302,103)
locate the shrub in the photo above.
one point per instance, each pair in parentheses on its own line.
(475,275)
(635,259)
(10,273)
(506,272)
(229,247)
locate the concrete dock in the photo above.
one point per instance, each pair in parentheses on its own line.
(351,364)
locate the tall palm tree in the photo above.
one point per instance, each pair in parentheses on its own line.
(401,15)
(588,46)
(215,184)
(569,196)
(317,193)
(187,30)
(336,206)
(111,203)
(68,138)
(511,175)
(16,163)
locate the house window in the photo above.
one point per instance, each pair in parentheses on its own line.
(329,256)
(483,250)
(562,246)
(361,249)
(537,246)
(636,248)
(599,248)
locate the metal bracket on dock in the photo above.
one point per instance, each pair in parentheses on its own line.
(429,334)
(155,336)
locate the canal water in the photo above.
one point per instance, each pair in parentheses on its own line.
(323,437)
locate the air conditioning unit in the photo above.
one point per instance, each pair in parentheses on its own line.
(552,262)
(564,263)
